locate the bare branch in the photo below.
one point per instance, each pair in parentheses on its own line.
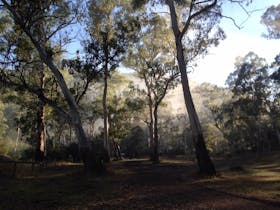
(202,2)
(192,16)
(230,18)
(85,88)
(61,26)
(248,13)
(172,78)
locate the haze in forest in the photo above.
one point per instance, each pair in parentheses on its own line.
(155,104)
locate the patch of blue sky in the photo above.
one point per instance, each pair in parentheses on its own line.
(217,65)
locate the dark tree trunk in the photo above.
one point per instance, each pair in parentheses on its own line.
(41,125)
(151,130)
(104,99)
(105,114)
(18,137)
(204,162)
(74,116)
(117,150)
(156,139)
(41,135)
(46,56)
(151,121)
(278,136)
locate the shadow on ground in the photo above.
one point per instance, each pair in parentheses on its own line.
(129,184)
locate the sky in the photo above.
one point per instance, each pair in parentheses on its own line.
(219,63)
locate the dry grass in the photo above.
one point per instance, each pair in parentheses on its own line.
(260,178)
(139,184)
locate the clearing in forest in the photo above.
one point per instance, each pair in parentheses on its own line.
(139,184)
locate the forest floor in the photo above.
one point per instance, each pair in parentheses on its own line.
(246,182)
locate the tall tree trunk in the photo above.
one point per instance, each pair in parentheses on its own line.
(156,139)
(151,129)
(204,162)
(151,121)
(18,137)
(74,116)
(46,57)
(278,136)
(105,113)
(41,125)
(41,134)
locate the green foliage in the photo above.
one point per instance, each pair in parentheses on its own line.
(248,120)
(137,4)
(275,93)
(55,14)
(143,41)
(123,110)
(3,121)
(214,139)
(275,76)
(135,144)
(43,20)
(6,22)
(22,70)
(203,34)
(23,113)
(208,98)
(124,105)
(59,152)
(8,145)
(153,60)
(112,29)
(5,147)
(271,19)
(83,71)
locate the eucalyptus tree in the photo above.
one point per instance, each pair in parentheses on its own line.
(250,120)
(28,119)
(28,71)
(275,66)
(194,26)
(124,107)
(111,30)
(271,19)
(275,95)
(154,62)
(55,16)
(249,108)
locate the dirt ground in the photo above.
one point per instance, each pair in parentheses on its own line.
(129,184)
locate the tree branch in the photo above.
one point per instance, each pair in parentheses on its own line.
(172,78)
(79,97)
(192,16)
(174,19)
(38,92)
